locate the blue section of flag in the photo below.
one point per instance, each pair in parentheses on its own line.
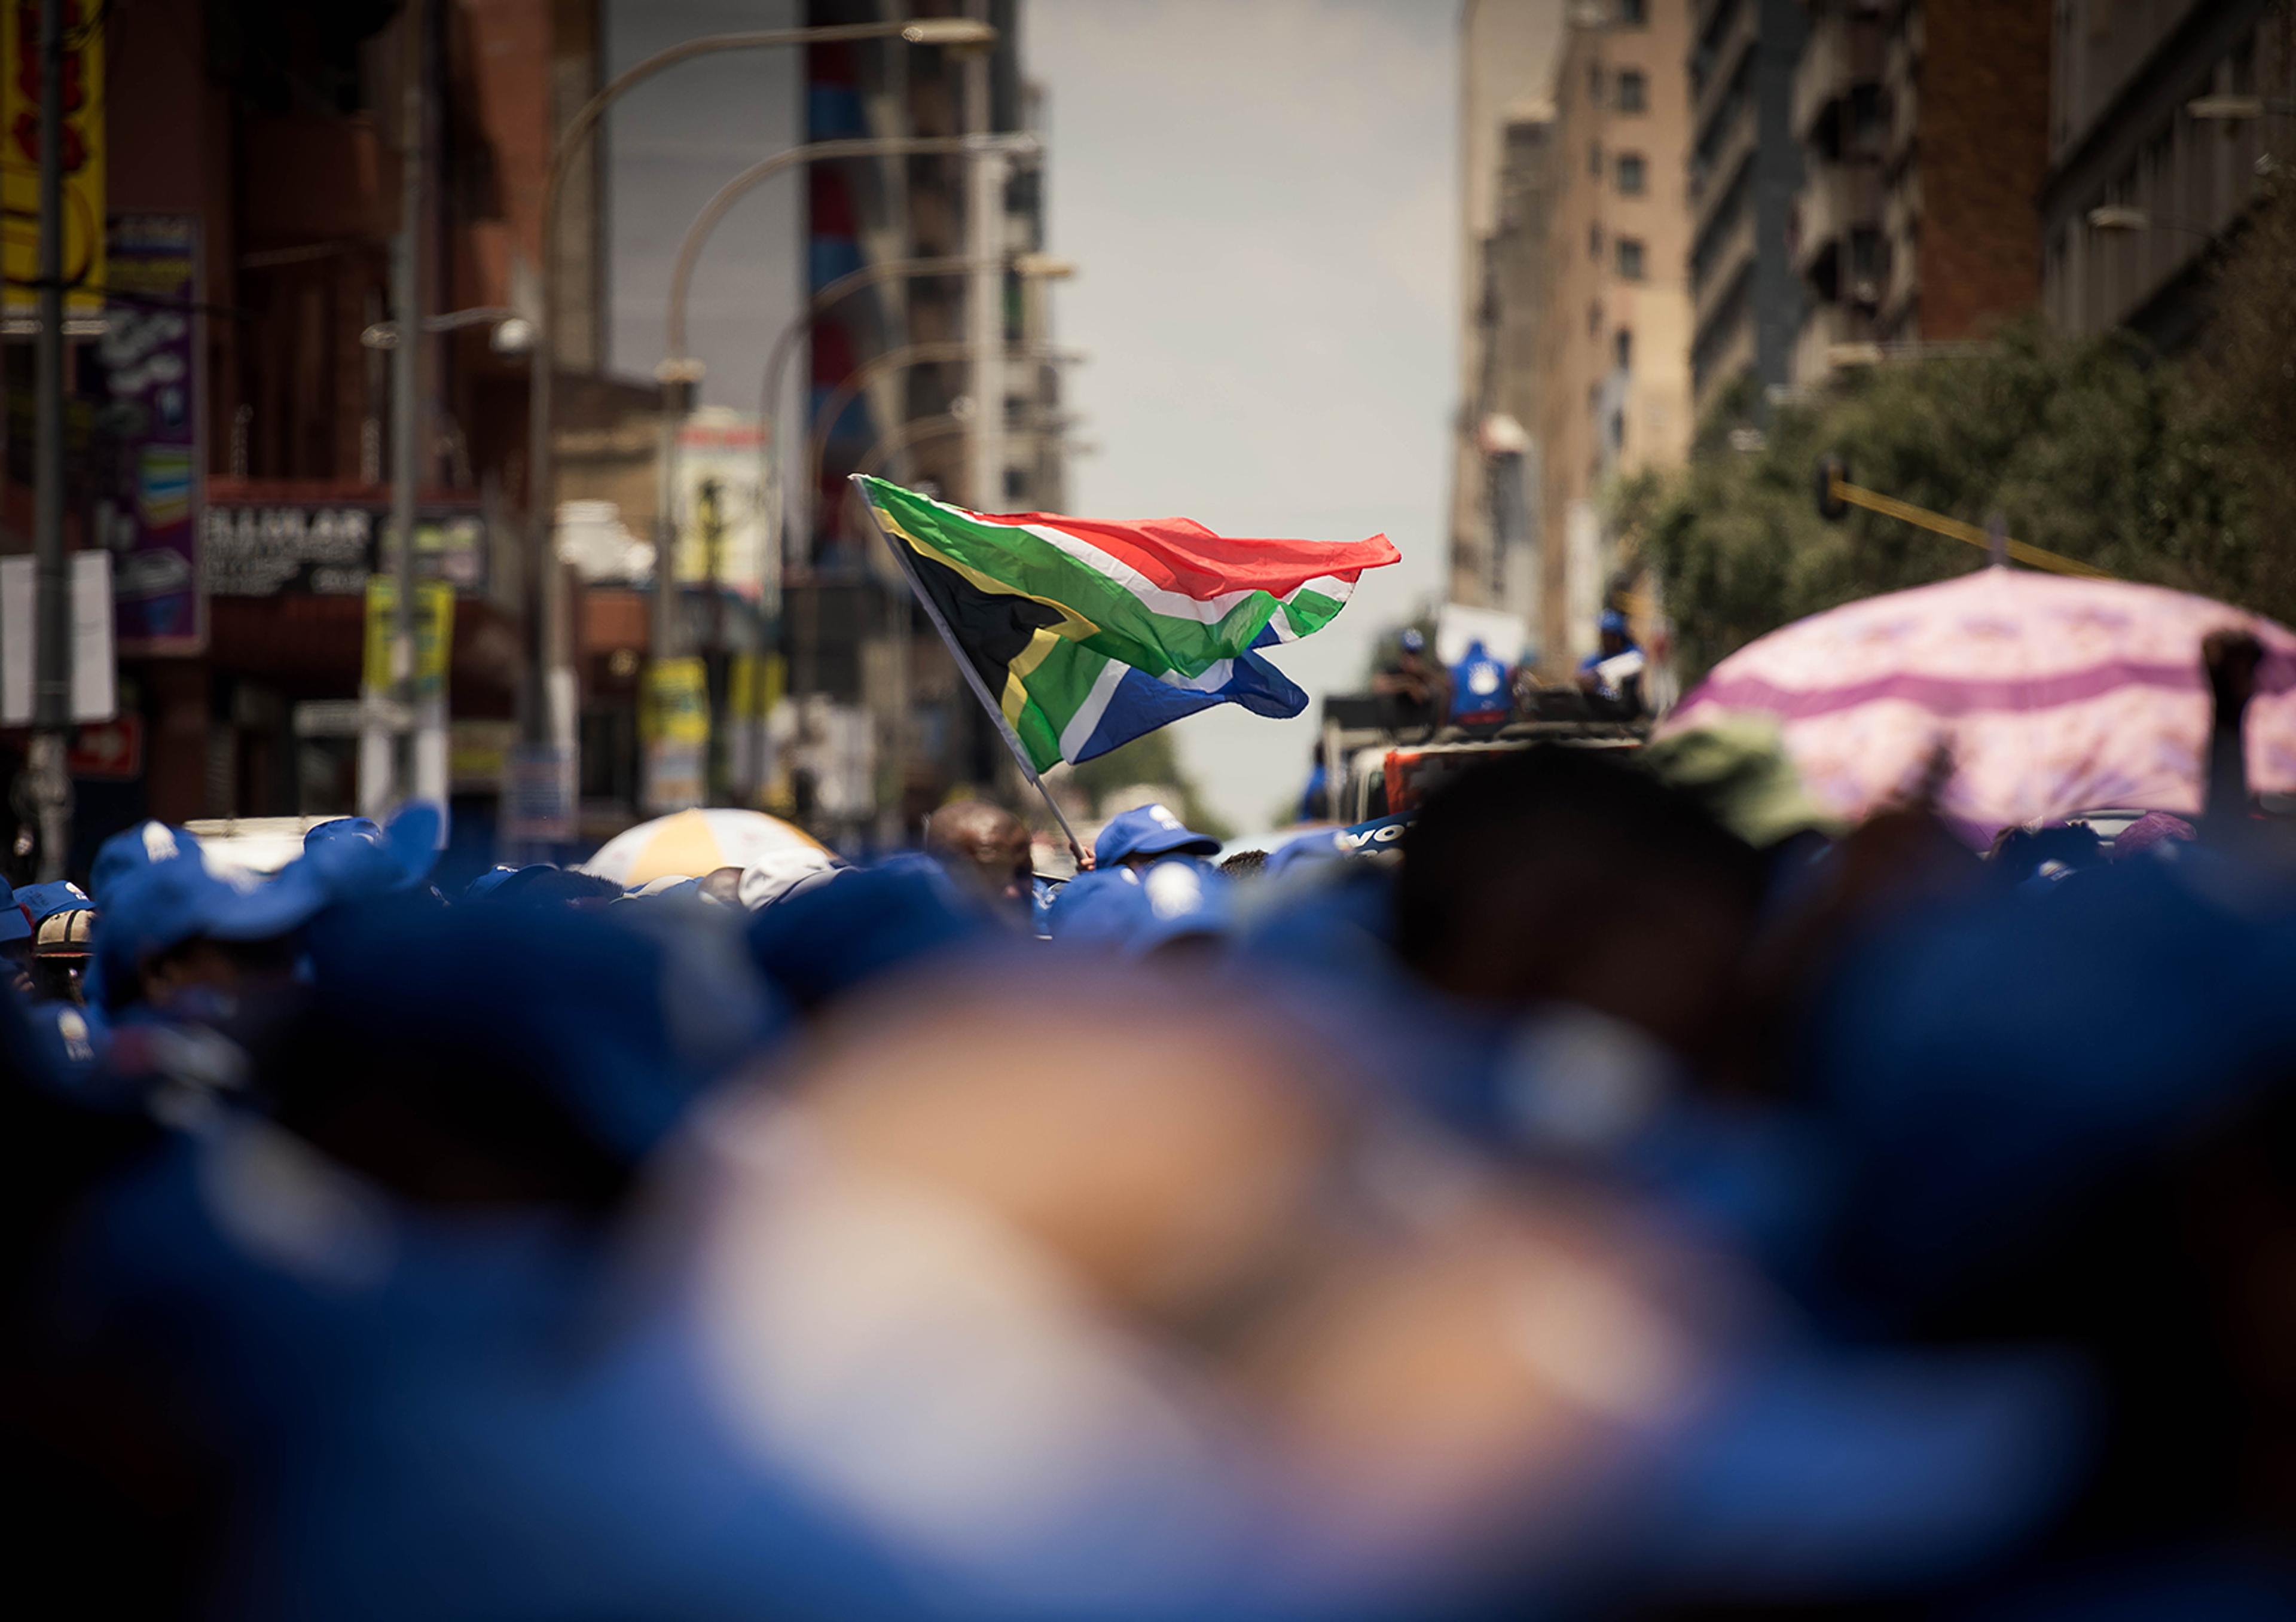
(1141,703)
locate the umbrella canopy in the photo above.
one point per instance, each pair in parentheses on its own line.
(689,844)
(2049,694)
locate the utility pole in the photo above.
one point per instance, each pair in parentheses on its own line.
(388,748)
(406,396)
(984,222)
(52,706)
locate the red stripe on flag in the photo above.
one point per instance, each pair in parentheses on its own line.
(1181,555)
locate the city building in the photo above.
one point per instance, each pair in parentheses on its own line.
(2162,119)
(1614,365)
(1924,133)
(1506,175)
(241,481)
(882,726)
(1745,175)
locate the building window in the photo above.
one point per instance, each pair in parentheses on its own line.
(1618,433)
(1622,345)
(1594,317)
(1595,82)
(1634,91)
(1630,259)
(1631,13)
(1594,157)
(1631,174)
(1595,243)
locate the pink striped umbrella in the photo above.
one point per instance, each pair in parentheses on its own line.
(2050,694)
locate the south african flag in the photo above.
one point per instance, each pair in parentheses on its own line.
(1086,633)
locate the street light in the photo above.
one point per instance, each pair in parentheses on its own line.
(895,360)
(1039,266)
(2226,109)
(2128,218)
(512,334)
(547,697)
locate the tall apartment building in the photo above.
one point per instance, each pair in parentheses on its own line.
(1615,361)
(1507,60)
(1924,130)
(1745,174)
(889,725)
(2160,116)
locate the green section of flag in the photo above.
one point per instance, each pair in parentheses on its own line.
(1112,620)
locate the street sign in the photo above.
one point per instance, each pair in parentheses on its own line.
(94,689)
(674,724)
(538,796)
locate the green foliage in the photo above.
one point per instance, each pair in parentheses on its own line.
(2091,450)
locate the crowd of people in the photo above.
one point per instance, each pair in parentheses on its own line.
(1625,1193)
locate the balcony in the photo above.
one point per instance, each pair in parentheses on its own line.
(1830,338)
(1721,67)
(1836,199)
(1727,260)
(1844,50)
(1710,183)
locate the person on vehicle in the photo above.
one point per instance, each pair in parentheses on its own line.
(1418,688)
(1147,834)
(985,848)
(1480,693)
(1613,672)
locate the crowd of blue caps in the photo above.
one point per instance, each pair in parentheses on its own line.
(2017,1162)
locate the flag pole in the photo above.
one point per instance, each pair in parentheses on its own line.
(972,680)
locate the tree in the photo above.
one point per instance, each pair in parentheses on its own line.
(2090,449)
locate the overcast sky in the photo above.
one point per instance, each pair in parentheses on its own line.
(1261,202)
(1261,197)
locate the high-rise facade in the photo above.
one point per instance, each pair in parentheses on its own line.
(1614,364)
(2161,118)
(1922,127)
(1745,175)
(1506,58)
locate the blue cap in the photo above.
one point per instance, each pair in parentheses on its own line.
(42,902)
(132,850)
(166,903)
(822,941)
(487,882)
(356,859)
(623,1027)
(13,925)
(1611,620)
(1149,831)
(344,828)
(1412,642)
(1136,910)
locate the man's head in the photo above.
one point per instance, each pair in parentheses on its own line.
(1146,834)
(1613,629)
(985,850)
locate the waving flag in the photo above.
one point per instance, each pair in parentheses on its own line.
(1086,633)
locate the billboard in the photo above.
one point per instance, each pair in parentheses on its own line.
(149,464)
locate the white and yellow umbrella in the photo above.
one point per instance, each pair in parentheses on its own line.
(689,844)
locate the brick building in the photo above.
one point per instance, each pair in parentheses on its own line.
(2160,117)
(262,143)
(1924,134)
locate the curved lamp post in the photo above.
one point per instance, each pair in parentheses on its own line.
(543,590)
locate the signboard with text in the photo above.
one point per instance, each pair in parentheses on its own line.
(149,465)
(256,548)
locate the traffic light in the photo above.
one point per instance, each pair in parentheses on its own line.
(1830,474)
